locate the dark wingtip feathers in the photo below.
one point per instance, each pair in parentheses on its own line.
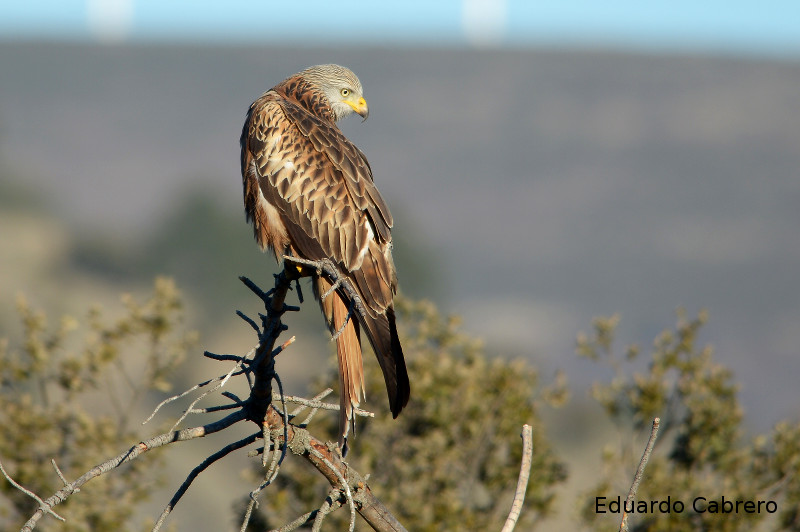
(402,391)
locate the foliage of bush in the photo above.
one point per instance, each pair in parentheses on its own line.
(701,449)
(66,394)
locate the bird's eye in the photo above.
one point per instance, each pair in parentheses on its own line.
(345,92)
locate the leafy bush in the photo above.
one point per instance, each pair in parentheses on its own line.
(68,398)
(701,451)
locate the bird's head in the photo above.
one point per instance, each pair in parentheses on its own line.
(341,87)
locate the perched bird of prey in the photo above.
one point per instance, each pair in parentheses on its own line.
(309,193)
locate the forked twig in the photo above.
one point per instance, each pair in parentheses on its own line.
(223,378)
(43,506)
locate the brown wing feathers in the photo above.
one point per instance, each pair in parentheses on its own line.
(309,191)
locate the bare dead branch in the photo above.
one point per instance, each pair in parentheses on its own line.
(196,472)
(522,482)
(127,456)
(314,409)
(275,424)
(328,461)
(220,382)
(285,431)
(623,527)
(343,486)
(233,397)
(214,408)
(317,404)
(306,403)
(269,476)
(297,523)
(277,459)
(223,378)
(248,512)
(284,345)
(222,358)
(331,503)
(43,506)
(58,471)
(248,320)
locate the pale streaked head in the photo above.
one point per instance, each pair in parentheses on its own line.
(341,87)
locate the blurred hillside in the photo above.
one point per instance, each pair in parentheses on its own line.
(532,190)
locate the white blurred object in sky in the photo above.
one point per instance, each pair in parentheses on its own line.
(109,20)
(484,21)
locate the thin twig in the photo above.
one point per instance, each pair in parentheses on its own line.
(264,296)
(305,403)
(623,527)
(317,404)
(233,397)
(522,481)
(323,512)
(297,523)
(196,472)
(272,472)
(222,358)
(331,503)
(277,460)
(213,409)
(342,482)
(249,320)
(58,472)
(198,386)
(221,381)
(248,512)
(284,345)
(285,422)
(314,410)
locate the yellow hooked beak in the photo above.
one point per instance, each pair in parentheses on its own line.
(360,107)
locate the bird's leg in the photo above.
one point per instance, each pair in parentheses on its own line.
(350,309)
(330,290)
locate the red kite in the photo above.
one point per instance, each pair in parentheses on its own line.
(309,193)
